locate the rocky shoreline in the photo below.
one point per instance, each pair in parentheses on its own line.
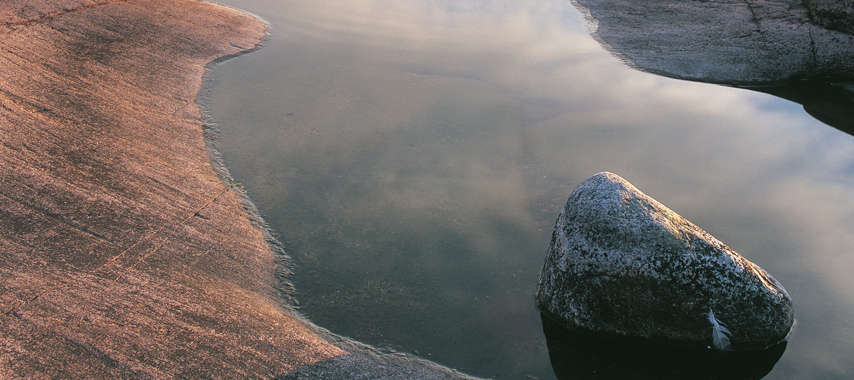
(798,50)
(124,253)
(732,42)
(622,264)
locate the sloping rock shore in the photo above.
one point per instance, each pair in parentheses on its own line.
(122,252)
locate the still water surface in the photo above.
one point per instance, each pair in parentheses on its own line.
(414,154)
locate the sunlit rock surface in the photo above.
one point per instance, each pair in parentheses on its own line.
(123,254)
(726,41)
(623,264)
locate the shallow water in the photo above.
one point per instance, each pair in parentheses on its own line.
(413,156)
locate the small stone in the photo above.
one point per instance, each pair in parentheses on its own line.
(621,263)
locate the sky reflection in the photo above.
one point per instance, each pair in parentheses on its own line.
(414,156)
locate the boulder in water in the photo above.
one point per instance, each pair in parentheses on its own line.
(621,263)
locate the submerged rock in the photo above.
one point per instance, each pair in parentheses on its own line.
(621,263)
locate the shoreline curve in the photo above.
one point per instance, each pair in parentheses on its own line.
(124,254)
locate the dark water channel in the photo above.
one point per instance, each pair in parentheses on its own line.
(413,156)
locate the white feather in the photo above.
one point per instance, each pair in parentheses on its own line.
(720,334)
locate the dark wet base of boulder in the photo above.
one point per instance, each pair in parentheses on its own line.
(580,355)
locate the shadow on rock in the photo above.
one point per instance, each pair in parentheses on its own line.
(579,356)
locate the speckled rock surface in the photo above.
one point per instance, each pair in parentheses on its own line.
(832,14)
(722,41)
(621,263)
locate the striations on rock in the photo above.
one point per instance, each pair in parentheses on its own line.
(122,252)
(621,263)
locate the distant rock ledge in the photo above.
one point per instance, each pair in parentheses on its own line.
(123,254)
(733,42)
(622,264)
(803,53)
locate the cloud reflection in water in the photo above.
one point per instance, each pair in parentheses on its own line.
(414,155)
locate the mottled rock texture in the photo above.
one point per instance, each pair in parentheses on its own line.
(621,263)
(832,14)
(122,252)
(733,42)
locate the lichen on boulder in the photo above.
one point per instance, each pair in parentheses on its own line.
(621,263)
